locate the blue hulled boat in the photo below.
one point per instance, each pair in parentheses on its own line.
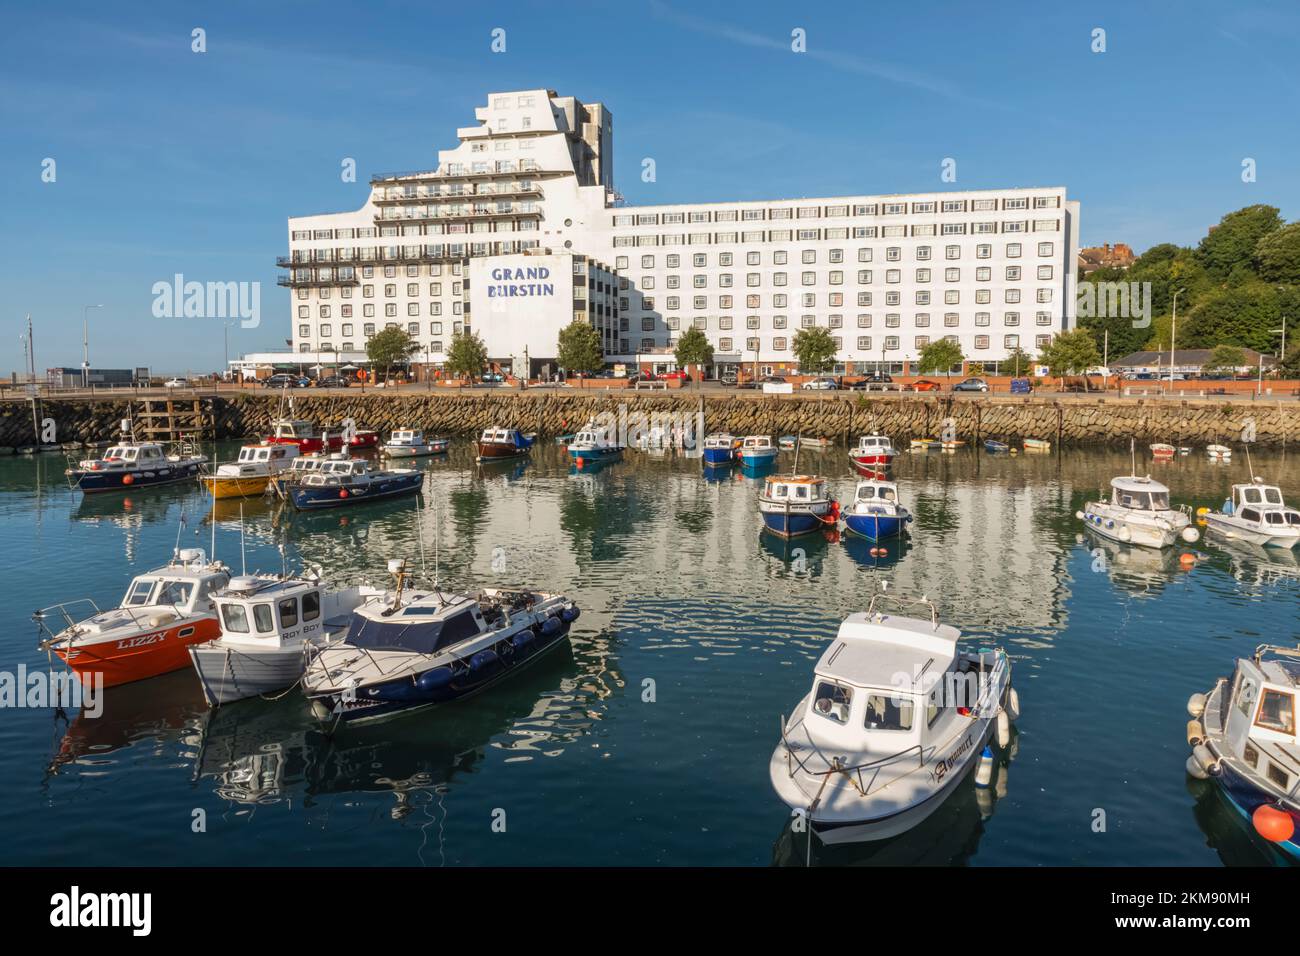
(408,651)
(996,447)
(593,444)
(341,481)
(131,465)
(757,451)
(875,512)
(720,448)
(796,504)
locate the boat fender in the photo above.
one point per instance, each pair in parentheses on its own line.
(1013,703)
(522,639)
(158,620)
(1196,704)
(1195,732)
(1004,729)
(984,772)
(1194,769)
(483,659)
(1206,760)
(1124,534)
(1190,534)
(551,626)
(570,613)
(1080,515)
(436,679)
(1273,823)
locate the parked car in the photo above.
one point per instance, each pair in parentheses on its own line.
(971,385)
(678,375)
(821,384)
(332,381)
(176,383)
(880,380)
(924,385)
(280,380)
(1021,386)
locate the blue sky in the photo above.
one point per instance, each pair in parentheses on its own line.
(170,161)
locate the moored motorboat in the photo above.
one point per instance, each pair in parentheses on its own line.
(1138,512)
(756,450)
(419,648)
(296,431)
(411,443)
(925,444)
(500,443)
(865,756)
(1218,452)
(816,442)
(1036,444)
(131,464)
(1258,514)
(876,512)
(872,451)
(720,448)
(267,625)
(1163,452)
(796,504)
(299,468)
(594,444)
(996,447)
(344,481)
(788,442)
(1243,737)
(251,472)
(164,612)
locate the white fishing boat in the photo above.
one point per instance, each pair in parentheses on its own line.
(1256,513)
(876,512)
(411,443)
(1138,512)
(1243,737)
(267,623)
(757,450)
(866,756)
(1161,451)
(1218,452)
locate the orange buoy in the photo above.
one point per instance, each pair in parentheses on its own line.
(343,492)
(1273,823)
(1187,560)
(127,479)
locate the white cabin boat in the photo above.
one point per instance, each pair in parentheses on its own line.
(1256,513)
(267,625)
(866,757)
(1219,452)
(758,450)
(1138,512)
(411,443)
(251,472)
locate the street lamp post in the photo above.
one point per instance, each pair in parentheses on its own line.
(85,344)
(1173,335)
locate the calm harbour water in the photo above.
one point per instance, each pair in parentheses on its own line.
(682,595)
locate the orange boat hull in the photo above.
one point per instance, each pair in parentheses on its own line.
(140,656)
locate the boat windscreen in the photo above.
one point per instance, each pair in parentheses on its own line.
(422,637)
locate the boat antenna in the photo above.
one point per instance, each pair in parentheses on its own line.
(798,443)
(284,567)
(1250,467)
(419,530)
(1132,453)
(179,528)
(243,558)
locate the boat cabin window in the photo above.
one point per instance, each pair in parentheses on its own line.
(311,605)
(1249,514)
(175,592)
(888,713)
(932,708)
(1250,755)
(234,618)
(1279,776)
(1274,517)
(115,452)
(1277,712)
(801,491)
(245,454)
(833,701)
(402,436)
(130,453)
(288,612)
(138,596)
(1273,496)
(262,618)
(1293,517)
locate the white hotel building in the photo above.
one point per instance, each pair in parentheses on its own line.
(530,187)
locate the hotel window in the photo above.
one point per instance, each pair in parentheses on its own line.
(1018,202)
(864,298)
(893,254)
(954,205)
(302,293)
(809,278)
(923,253)
(809,300)
(951,320)
(926,230)
(1047,225)
(893,275)
(835,300)
(984,228)
(1043,318)
(674,218)
(836,321)
(807,321)
(1011,319)
(647,345)
(1044,296)
(700,302)
(412,328)
(413,288)
(983,296)
(647,324)
(864,277)
(750,215)
(864,320)
(698,217)
(367,292)
(700,281)
(647,282)
(864,343)
(1045,248)
(891,343)
(724,344)
(778,344)
(954,228)
(982,319)
(368,329)
(304,331)
(304,347)
(700,322)
(923,297)
(922,341)
(952,252)
(700,260)
(865,232)
(751,321)
(648,303)
(1011,341)
(673,261)
(894,232)
(779,300)
(751,344)
(983,205)
(836,277)
(922,320)
(893,320)
(894,208)
(807,235)
(753,301)
(1018,226)
(864,255)
(1047,202)
(724,258)
(865,209)
(1042,341)
(893,298)
(347,329)
(922,275)
(809,256)
(809,212)
(1044,272)
(778,278)
(674,302)
(390,310)
(753,258)
(390,290)
(673,322)
(368,311)
(780,257)
(724,323)
(952,297)
(983,274)
(304,311)
(981,341)
(1013,273)
(951,275)
(1012,296)
(779,214)
(724,301)
(435,328)
(778,321)
(922,207)
(835,256)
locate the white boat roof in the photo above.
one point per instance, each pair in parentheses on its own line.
(870,651)
(876,483)
(1133,483)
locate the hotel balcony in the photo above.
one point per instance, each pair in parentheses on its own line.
(395,215)
(315,281)
(504,191)
(433,175)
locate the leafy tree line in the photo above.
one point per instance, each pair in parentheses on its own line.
(1237,284)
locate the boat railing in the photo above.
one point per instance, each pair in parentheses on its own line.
(872,766)
(41,617)
(904,601)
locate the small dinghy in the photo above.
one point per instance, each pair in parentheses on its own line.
(875,512)
(996,447)
(1162,452)
(1219,452)
(816,443)
(865,757)
(594,444)
(720,448)
(792,505)
(417,648)
(1257,514)
(411,443)
(872,451)
(756,450)
(1037,444)
(1243,737)
(1138,512)
(267,623)
(788,442)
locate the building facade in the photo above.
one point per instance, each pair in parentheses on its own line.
(529,189)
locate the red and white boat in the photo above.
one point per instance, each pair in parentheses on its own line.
(1163,452)
(295,431)
(872,452)
(164,613)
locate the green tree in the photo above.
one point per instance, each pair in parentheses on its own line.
(693,348)
(1019,362)
(1242,315)
(1233,242)
(1225,358)
(940,356)
(1291,362)
(580,348)
(390,346)
(1070,353)
(467,355)
(815,349)
(1277,256)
